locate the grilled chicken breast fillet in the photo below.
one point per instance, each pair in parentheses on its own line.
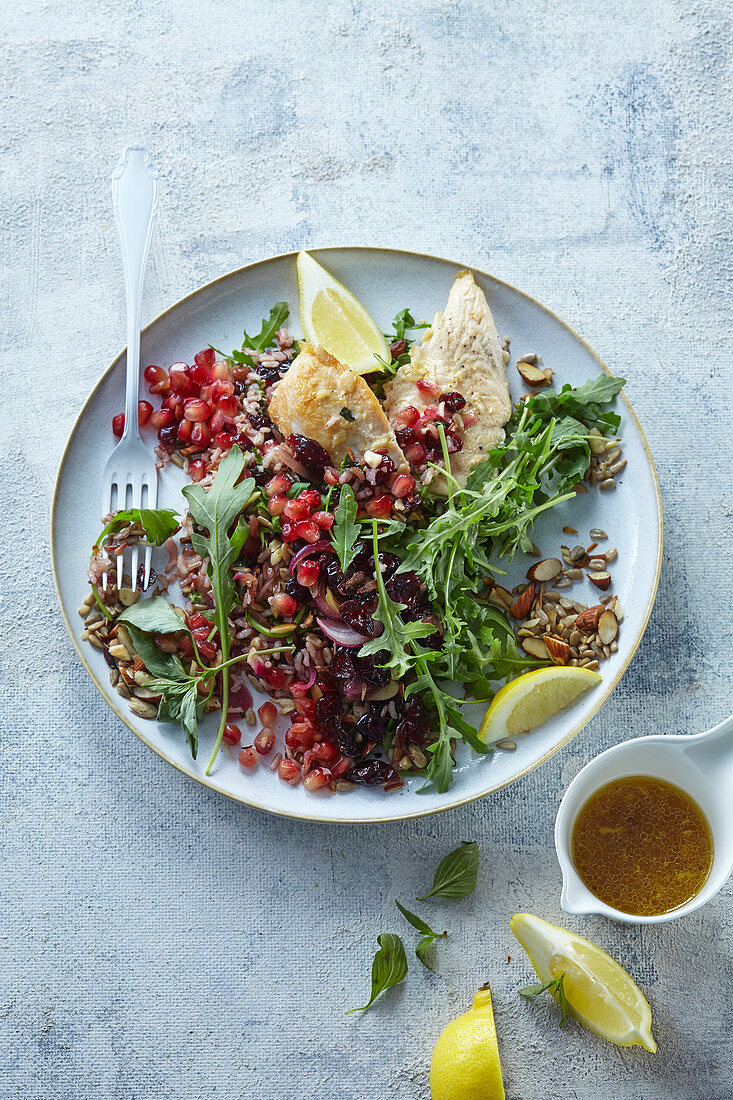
(310,400)
(461,351)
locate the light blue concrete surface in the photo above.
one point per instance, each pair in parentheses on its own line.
(157,941)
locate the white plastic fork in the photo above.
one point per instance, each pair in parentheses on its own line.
(130,477)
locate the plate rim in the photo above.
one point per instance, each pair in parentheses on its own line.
(411,814)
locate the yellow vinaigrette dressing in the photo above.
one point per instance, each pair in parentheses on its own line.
(642,845)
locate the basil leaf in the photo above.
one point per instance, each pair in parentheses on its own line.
(388,968)
(160,664)
(346,531)
(429,936)
(180,698)
(554,986)
(456,875)
(154,616)
(264,338)
(159,524)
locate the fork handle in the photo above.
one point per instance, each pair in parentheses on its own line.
(135,202)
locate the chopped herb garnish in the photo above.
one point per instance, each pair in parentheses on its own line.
(556,988)
(347,415)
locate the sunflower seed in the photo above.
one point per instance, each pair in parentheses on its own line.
(597,533)
(507,745)
(607,485)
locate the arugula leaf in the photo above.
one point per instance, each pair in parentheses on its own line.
(181,700)
(554,986)
(404,320)
(397,635)
(455,876)
(346,531)
(159,524)
(264,338)
(216,510)
(388,968)
(155,616)
(428,937)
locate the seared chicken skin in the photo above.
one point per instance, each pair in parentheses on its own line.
(313,397)
(460,352)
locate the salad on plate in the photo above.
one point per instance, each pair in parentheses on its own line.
(351,502)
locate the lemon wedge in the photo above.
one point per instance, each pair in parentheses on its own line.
(332,317)
(599,993)
(527,702)
(465,1064)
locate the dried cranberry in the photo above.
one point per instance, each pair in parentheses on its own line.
(372,773)
(370,669)
(384,470)
(268,373)
(310,453)
(345,737)
(169,435)
(389,564)
(454,443)
(405,588)
(405,436)
(302,595)
(327,707)
(239,388)
(359,615)
(397,348)
(452,402)
(372,726)
(325,680)
(415,724)
(342,666)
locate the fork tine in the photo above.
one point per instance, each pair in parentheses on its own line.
(137,495)
(120,569)
(148,561)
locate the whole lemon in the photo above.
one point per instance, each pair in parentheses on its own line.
(465,1063)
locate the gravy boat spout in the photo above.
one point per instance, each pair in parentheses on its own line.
(701,764)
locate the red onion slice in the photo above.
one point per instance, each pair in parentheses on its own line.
(340,632)
(308,552)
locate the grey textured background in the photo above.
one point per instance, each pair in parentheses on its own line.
(155,939)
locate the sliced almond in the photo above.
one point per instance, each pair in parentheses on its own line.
(535,647)
(500,597)
(601,578)
(522,604)
(596,442)
(532,375)
(615,606)
(587,620)
(558,649)
(607,627)
(544,570)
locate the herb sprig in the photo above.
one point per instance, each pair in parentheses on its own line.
(428,935)
(159,524)
(220,539)
(455,875)
(346,530)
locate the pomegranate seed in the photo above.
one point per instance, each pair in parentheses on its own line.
(297,509)
(452,401)
(405,436)
(428,388)
(341,767)
(306,529)
(228,404)
(223,440)
(185,430)
(267,714)
(247,757)
(161,419)
(300,736)
(306,707)
(196,619)
(220,370)
(205,358)
(430,413)
(180,379)
(118,424)
(155,375)
(283,604)
(232,735)
(415,454)
(308,572)
(407,417)
(276,504)
(278,484)
(265,741)
(206,648)
(402,486)
(196,469)
(324,520)
(173,403)
(168,435)
(274,678)
(289,532)
(311,498)
(287,770)
(144,412)
(199,374)
(201,435)
(316,779)
(325,752)
(197,410)
(379,506)
(218,421)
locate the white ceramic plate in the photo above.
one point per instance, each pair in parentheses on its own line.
(385,281)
